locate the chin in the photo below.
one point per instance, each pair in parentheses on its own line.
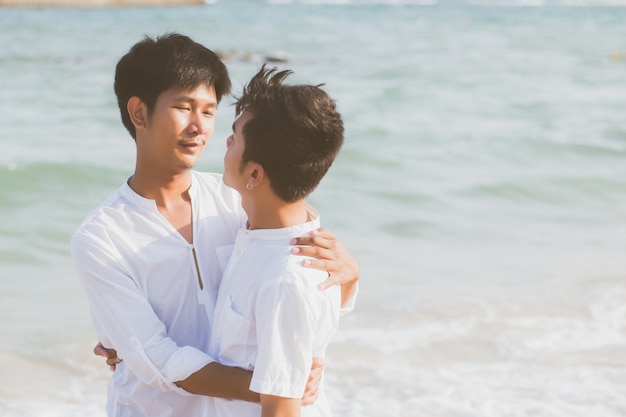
(187,167)
(189,161)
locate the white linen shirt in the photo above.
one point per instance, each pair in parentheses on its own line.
(271,318)
(143,291)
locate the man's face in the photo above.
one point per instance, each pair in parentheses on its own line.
(235,145)
(178,129)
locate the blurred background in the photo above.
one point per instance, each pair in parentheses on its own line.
(482,186)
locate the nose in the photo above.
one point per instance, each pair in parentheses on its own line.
(199,125)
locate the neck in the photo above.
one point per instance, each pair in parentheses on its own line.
(274,213)
(161,187)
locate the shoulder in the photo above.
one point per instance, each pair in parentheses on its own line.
(112,207)
(112,216)
(294,297)
(292,279)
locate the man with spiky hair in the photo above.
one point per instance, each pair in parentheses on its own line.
(270,318)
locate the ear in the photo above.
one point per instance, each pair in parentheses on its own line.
(257,174)
(137,111)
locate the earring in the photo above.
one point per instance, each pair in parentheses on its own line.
(249,186)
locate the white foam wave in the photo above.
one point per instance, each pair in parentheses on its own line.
(552,351)
(65,381)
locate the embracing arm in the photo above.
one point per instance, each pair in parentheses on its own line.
(330,255)
(125,319)
(217,380)
(213,380)
(237,389)
(273,406)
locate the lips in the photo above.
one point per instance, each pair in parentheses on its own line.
(192,146)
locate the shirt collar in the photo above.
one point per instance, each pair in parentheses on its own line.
(146,203)
(130,195)
(287,232)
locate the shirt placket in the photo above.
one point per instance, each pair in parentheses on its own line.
(241,245)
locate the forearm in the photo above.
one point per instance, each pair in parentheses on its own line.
(347,291)
(272,406)
(217,380)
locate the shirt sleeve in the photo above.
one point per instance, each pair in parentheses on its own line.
(125,320)
(284,326)
(293,323)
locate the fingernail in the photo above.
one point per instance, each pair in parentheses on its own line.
(306,262)
(295,250)
(293,241)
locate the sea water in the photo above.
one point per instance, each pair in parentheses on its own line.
(482,186)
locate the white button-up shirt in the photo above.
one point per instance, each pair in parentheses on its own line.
(271,318)
(143,290)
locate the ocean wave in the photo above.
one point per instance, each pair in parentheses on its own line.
(552,350)
(558,191)
(42,203)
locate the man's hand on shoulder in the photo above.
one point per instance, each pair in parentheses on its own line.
(330,255)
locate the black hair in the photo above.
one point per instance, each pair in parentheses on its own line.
(295,132)
(172,60)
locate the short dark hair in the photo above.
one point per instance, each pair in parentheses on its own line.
(295,132)
(172,60)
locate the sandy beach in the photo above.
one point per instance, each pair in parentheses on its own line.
(96,3)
